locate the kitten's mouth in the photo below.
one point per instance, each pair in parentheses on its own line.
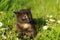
(25,20)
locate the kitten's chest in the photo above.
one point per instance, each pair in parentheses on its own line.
(24,25)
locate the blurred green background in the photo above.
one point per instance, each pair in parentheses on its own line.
(41,10)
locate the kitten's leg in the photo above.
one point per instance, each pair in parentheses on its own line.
(21,36)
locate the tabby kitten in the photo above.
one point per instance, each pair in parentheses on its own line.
(25,24)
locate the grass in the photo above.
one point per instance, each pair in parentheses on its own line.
(40,9)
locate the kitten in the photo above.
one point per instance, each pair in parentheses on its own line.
(25,24)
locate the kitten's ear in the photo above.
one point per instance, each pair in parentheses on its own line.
(29,9)
(15,12)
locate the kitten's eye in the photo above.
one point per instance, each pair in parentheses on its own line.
(24,17)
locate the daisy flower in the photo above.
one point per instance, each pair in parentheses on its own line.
(17,39)
(1,24)
(1,11)
(45,27)
(58,21)
(4,29)
(47,15)
(4,37)
(51,16)
(52,20)
(47,20)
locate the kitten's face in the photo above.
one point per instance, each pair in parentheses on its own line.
(24,16)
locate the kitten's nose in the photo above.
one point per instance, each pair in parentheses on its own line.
(23,18)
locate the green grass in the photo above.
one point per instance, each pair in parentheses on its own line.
(39,9)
